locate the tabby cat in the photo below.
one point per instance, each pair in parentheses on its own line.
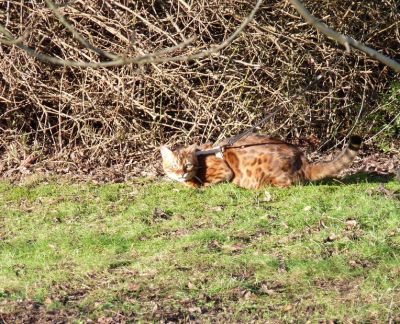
(252,162)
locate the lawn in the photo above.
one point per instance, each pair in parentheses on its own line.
(151,251)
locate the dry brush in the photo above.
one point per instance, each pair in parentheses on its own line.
(111,120)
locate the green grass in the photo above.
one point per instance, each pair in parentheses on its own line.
(148,251)
(387,120)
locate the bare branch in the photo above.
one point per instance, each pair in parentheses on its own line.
(344,40)
(10,42)
(156,57)
(75,33)
(141,59)
(9,38)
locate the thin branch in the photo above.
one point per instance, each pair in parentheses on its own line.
(75,33)
(344,40)
(383,128)
(9,38)
(145,21)
(142,59)
(187,6)
(11,42)
(156,57)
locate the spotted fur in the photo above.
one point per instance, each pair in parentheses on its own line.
(253,162)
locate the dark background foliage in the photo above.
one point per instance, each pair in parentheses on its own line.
(82,119)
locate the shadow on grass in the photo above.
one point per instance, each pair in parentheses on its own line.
(359,177)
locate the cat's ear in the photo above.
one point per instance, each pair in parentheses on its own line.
(166,153)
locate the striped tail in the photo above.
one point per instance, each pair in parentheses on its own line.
(321,170)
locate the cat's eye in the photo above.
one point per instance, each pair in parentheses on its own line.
(189,165)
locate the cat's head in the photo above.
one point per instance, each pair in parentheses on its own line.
(180,164)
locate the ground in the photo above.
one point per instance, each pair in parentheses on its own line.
(149,250)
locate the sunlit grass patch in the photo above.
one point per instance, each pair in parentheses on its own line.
(154,250)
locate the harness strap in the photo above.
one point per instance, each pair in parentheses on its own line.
(235,138)
(217,150)
(220,150)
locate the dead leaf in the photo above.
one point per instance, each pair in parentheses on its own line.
(322,224)
(307,208)
(353,263)
(105,320)
(194,309)
(133,193)
(284,225)
(394,232)
(287,308)
(151,273)
(28,161)
(332,237)
(161,214)
(214,244)
(282,266)
(246,294)
(267,197)
(179,217)
(234,247)
(134,287)
(351,223)
(382,190)
(264,289)
(217,208)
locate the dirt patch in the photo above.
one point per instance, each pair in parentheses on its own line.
(29,311)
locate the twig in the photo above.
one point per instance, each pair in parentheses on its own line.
(346,41)
(77,35)
(383,128)
(155,57)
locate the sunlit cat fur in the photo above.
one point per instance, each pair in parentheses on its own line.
(253,162)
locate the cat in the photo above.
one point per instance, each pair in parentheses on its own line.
(252,162)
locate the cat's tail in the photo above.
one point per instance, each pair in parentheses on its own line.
(321,170)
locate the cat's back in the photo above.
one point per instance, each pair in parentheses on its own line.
(262,141)
(257,160)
